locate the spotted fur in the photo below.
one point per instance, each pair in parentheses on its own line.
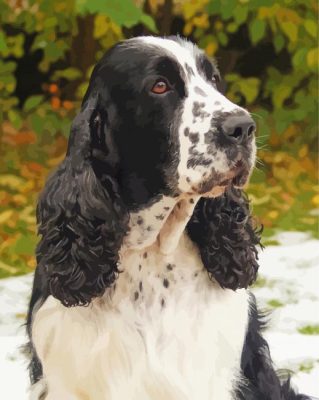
(146,248)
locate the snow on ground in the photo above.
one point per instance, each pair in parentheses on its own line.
(288,283)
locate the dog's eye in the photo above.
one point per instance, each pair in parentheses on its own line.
(160,87)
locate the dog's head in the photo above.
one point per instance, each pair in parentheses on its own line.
(153,123)
(172,130)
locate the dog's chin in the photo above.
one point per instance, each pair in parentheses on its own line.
(216,186)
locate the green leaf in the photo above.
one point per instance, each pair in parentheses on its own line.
(249,88)
(32,102)
(3,43)
(6,67)
(275,303)
(298,59)
(309,330)
(257,30)
(311,28)
(280,94)
(68,73)
(279,42)
(37,123)
(291,30)
(222,38)
(15,118)
(149,22)
(240,15)
(123,13)
(24,245)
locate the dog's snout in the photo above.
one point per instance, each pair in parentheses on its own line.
(239,128)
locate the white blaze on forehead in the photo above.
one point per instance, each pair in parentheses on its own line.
(185,54)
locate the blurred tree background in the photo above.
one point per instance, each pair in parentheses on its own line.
(267,53)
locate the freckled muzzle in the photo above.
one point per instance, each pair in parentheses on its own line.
(231,134)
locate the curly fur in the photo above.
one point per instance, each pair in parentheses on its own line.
(82,221)
(223,229)
(127,172)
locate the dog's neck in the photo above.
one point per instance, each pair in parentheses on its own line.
(163,222)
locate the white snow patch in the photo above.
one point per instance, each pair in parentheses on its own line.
(293,272)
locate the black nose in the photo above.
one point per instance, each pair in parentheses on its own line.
(239,128)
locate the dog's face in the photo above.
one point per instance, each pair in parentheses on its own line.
(173,131)
(153,135)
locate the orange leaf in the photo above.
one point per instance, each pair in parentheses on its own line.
(68,105)
(34,166)
(53,88)
(26,137)
(55,102)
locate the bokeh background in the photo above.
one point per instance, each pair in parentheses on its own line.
(267,53)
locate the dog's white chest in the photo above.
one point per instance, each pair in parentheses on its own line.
(165,332)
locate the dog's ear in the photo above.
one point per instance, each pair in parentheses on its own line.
(223,230)
(80,214)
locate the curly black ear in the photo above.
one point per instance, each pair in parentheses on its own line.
(223,230)
(81,217)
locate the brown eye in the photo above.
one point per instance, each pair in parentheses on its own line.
(160,87)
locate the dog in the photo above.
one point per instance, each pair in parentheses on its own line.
(147,241)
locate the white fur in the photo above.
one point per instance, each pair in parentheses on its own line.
(165,330)
(214,102)
(121,348)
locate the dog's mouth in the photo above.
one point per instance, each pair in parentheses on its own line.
(239,175)
(216,185)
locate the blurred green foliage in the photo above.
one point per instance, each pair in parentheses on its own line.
(267,52)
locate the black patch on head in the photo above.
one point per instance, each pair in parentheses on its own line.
(206,67)
(189,70)
(139,119)
(170,267)
(166,283)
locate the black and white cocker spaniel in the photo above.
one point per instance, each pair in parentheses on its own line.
(147,243)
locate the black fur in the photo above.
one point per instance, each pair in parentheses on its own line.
(122,156)
(82,220)
(223,230)
(259,379)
